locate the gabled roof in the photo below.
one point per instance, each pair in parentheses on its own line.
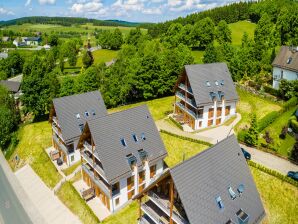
(287,58)
(68,107)
(199,74)
(208,175)
(108,131)
(12,86)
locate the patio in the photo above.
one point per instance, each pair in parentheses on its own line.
(95,203)
(59,168)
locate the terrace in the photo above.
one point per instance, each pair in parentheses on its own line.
(96,164)
(189,101)
(63,147)
(183,87)
(189,111)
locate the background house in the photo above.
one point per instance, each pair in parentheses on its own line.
(32,41)
(215,186)
(205,95)
(13,87)
(285,65)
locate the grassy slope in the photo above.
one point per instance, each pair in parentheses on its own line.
(34,138)
(284,146)
(250,103)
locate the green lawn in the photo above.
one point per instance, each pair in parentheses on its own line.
(239,28)
(283,146)
(178,148)
(34,138)
(159,108)
(248,104)
(71,169)
(198,56)
(71,198)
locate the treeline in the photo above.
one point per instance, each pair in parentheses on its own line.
(66,21)
(230,13)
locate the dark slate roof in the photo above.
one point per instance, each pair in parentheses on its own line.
(33,39)
(285,53)
(109,130)
(12,86)
(200,73)
(69,106)
(209,174)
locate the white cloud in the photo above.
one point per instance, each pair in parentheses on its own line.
(4,11)
(152,11)
(28,2)
(85,7)
(190,5)
(42,2)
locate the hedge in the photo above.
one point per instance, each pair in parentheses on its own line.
(273,173)
(272,91)
(186,138)
(268,119)
(294,124)
(177,124)
(291,103)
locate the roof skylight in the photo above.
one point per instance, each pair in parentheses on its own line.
(240,188)
(123,142)
(143,136)
(86,113)
(135,138)
(78,116)
(93,112)
(222,82)
(232,193)
(289,60)
(219,202)
(208,84)
(216,83)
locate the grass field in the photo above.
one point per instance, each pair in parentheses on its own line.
(159,108)
(34,138)
(248,104)
(48,28)
(283,146)
(239,28)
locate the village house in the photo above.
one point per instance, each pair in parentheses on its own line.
(214,186)
(13,88)
(121,154)
(32,41)
(5,39)
(205,95)
(68,116)
(285,65)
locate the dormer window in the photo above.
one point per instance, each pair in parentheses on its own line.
(135,138)
(131,159)
(143,154)
(123,142)
(143,136)
(208,84)
(78,116)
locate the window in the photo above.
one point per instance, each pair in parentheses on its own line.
(86,113)
(81,126)
(289,60)
(93,112)
(143,136)
(152,171)
(216,83)
(72,158)
(135,138)
(117,201)
(123,142)
(78,116)
(115,189)
(219,202)
(208,84)
(232,193)
(240,188)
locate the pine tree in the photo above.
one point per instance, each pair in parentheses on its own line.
(252,136)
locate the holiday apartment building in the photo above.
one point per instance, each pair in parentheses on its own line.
(121,153)
(205,95)
(215,186)
(68,116)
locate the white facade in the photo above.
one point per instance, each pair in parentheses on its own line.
(279,73)
(122,197)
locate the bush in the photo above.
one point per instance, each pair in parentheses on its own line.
(294,154)
(284,132)
(270,90)
(252,135)
(267,120)
(291,103)
(294,125)
(241,135)
(273,173)
(186,138)
(177,124)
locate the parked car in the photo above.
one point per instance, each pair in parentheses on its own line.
(246,154)
(59,162)
(293,175)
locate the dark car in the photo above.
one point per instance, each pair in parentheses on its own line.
(293,175)
(59,162)
(246,154)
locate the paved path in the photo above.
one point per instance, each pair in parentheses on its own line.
(49,206)
(271,161)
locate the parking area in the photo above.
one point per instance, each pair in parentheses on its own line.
(48,205)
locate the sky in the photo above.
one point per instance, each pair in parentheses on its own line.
(128,10)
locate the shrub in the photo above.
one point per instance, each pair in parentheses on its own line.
(284,132)
(267,120)
(291,103)
(241,135)
(294,125)
(294,154)
(252,135)
(270,90)
(177,124)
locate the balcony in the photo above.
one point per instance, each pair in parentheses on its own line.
(154,213)
(163,204)
(191,102)
(145,219)
(58,132)
(62,146)
(96,180)
(88,157)
(183,87)
(190,112)
(88,146)
(56,121)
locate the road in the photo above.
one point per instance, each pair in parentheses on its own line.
(11,210)
(271,161)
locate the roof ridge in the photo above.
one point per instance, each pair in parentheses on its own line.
(77,94)
(204,151)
